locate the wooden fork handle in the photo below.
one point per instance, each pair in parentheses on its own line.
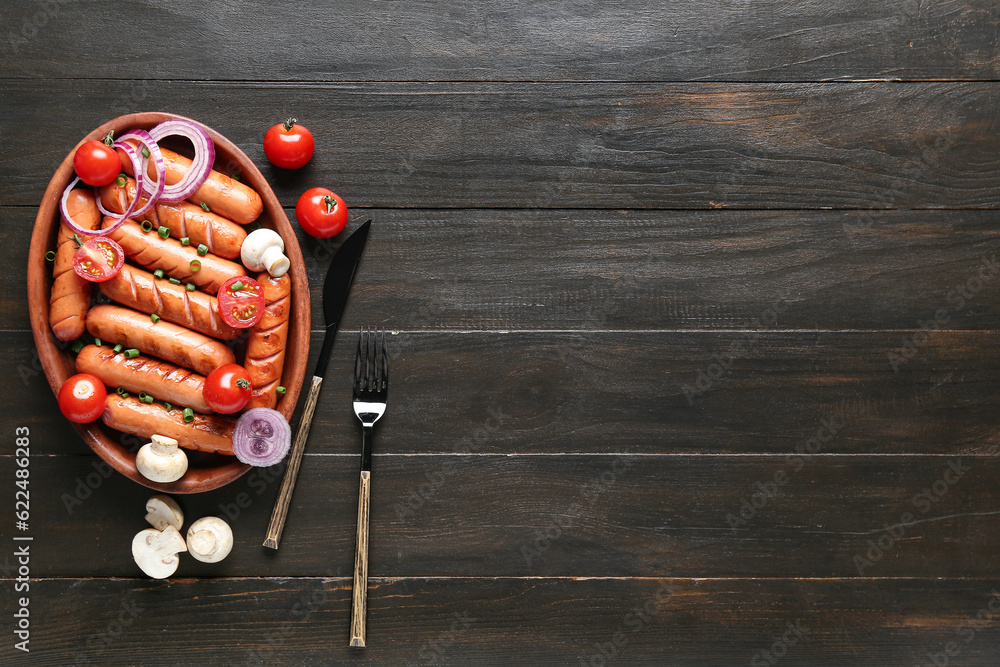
(280,512)
(360,591)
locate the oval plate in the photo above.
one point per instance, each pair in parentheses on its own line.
(209,471)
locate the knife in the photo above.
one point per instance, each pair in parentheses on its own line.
(335,289)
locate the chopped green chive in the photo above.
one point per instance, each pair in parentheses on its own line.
(155,318)
(188,415)
(117,348)
(121,391)
(50,256)
(158,273)
(97,342)
(145,398)
(195,265)
(235,177)
(121,180)
(147,226)
(280,390)
(164,232)
(125,394)
(205,206)
(167,406)
(190,287)
(132,353)
(174,281)
(76,346)
(145,152)
(237,286)
(202,249)
(185,240)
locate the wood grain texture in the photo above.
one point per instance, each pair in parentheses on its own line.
(551,145)
(640,270)
(570,515)
(294,460)
(359,587)
(500,621)
(771,40)
(633,392)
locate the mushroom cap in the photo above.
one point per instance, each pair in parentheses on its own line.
(209,539)
(158,461)
(263,250)
(163,511)
(155,551)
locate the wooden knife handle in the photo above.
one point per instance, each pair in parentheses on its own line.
(292,471)
(360,591)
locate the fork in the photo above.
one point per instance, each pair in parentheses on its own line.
(371,385)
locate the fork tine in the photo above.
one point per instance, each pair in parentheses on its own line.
(384,382)
(357,362)
(370,359)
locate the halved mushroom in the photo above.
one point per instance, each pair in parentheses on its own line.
(163,511)
(156,551)
(210,539)
(161,460)
(264,250)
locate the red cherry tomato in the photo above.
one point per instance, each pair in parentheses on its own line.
(96,163)
(82,398)
(288,145)
(321,213)
(98,260)
(227,389)
(241,302)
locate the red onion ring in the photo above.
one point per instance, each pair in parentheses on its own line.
(64,211)
(201,166)
(261,437)
(156,189)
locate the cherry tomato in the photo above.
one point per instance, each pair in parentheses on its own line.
(98,260)
(227,389)
(288,145)
(96,163)
(321,213)
(241,302)
(82,398)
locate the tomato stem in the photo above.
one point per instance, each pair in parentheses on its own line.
(77,240)
(109,138)
(289,122)
(242,383)
(330,203)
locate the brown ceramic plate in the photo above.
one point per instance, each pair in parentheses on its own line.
(206,471)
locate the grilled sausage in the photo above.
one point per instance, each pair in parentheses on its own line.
(265,356)
(163,381)
(206,433)
(176,260)
(70,297)
(164,340)
(142,291)
(224,195)
(222,237)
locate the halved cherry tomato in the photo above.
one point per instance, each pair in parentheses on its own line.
(241,302)
(98,259)
(288,145)
(227,389)
(321,213)
(82,398)
(96,163)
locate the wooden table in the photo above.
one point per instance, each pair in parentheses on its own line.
(695,331)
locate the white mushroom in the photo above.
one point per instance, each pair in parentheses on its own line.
(156,551)
(161,460)
(264,250)
(163,511)
(210,539)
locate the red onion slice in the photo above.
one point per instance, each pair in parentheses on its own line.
(154,190)
(201,166)
(64,211)
(261,437)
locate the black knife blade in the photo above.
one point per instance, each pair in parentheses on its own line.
(337,285)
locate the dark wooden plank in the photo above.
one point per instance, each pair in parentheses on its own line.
(586,270)
(608,146)
(614,392)
(677,40)
(894,623)
(570,515)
